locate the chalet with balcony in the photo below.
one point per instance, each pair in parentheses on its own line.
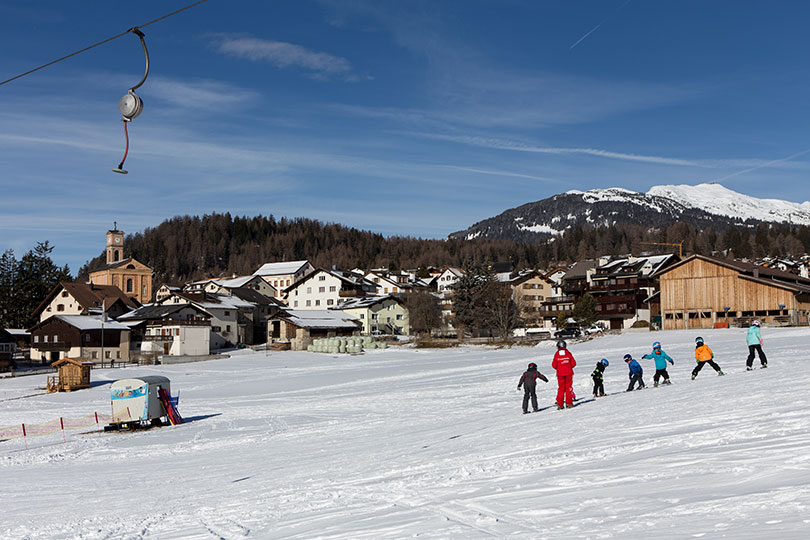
(79,336)
(623,286)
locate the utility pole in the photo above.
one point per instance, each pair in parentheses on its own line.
(679,244)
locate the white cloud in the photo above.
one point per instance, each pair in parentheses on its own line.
(287,55)
(199,94)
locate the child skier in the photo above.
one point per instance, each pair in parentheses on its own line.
(754,340)
(661,358)
(636,373)
(564,364)
(704,355)
(529,382)
(598,379)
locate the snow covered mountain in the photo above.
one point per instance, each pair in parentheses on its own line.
(702,205)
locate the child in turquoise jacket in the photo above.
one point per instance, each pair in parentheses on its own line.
(754,341)
(661,358)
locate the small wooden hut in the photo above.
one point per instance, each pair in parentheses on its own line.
(74,374)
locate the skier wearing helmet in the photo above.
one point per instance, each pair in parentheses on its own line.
(704,355)
(754,340)
(529,382)
(661,358)
(598,377)
(564,364)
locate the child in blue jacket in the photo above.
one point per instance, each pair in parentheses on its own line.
(635,373)
(661,358)
(754,341)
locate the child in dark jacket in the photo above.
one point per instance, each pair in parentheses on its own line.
(529,383)
(635,373)
(598,379)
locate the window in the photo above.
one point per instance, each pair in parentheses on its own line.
(321,278)
(107,354)
(64,294)
(36,339)
(321,289)
(227,328)
(373,316)
(330,302)
(385,290)
(309,290)
(176,331)
(227,313)
(333,288)
(129,285)
(399,316)
(60,307)
(94,355)
(118,354)
(288,283)
(86,338)
(216,328)
(295,303)
(317,302)
(309,303)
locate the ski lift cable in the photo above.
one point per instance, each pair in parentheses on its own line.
(134,29)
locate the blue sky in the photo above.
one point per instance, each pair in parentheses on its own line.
(401,117)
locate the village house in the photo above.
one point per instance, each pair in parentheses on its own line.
(388,282)
(79,336)
(379,314)
(622,288)
(70,298)
(164,291)
(301,327)
(8,346)
(701,291)
(132,277)
(255,283)
(323,289)
(448,278)
(529,290)
(283,274)
(152,320)
(231,317)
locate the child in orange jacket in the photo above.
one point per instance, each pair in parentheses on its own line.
(704,355)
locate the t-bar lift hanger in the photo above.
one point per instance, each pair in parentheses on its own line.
(131,105)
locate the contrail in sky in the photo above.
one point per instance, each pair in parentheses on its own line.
(764,165)
(595,28)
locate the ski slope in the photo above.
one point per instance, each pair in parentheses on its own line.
(405,443)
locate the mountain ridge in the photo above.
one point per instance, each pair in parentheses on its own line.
(701,205)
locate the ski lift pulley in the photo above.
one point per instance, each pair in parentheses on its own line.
(131,105)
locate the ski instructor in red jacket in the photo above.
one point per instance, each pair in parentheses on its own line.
(564,364)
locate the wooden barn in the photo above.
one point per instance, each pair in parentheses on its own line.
(702,291)
(74,374)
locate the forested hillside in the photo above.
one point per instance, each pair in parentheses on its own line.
(186,248)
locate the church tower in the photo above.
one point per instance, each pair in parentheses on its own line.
(115,245)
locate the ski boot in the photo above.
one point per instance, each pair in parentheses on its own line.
(764,366)
(749,368)
(720,373)
(667,382)
(655,385)
(694,376)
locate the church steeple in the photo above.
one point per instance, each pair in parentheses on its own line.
(115,244)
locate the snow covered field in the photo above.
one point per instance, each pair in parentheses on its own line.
(405,443)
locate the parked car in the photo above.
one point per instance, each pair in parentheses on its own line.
(595,329)
(571,331)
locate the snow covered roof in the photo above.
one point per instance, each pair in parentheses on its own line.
(85,322)
(279,268)
(320,318)
(235,283)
